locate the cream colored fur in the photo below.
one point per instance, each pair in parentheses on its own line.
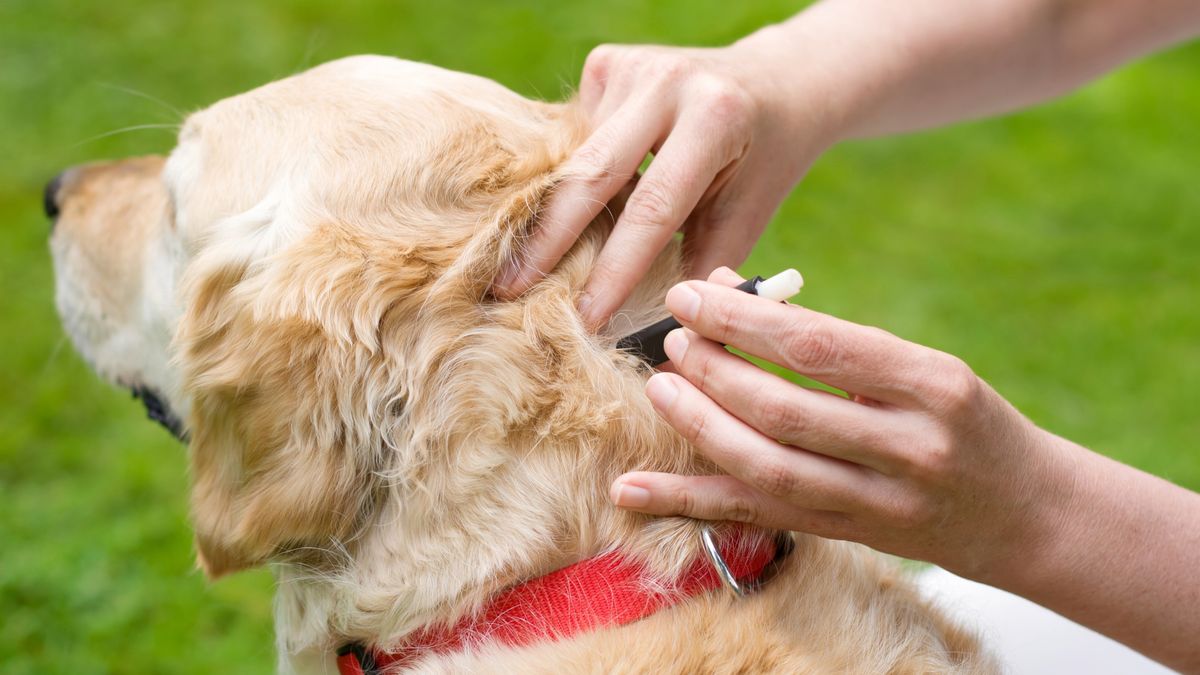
(366,418)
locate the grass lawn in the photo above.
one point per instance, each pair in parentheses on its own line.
(1056,251)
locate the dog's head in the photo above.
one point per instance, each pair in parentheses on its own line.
(308,273)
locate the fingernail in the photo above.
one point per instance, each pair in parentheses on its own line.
(630,496)
(675,345)
(683,302)
(585,301)
(661,391)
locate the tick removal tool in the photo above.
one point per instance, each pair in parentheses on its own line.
(647,343)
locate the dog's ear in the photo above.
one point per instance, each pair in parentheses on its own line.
(295,360)
(291,394)
(510,178)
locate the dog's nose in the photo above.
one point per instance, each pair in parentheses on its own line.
(50,195)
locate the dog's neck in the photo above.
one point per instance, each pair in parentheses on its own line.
(507,461)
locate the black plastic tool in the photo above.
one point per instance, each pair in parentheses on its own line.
(647,343)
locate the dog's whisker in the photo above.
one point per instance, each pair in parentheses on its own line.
(566,87)
(52,357)
(315,38)
(179,114)
(122,130)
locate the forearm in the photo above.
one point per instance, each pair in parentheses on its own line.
(885,66)
(1119,554)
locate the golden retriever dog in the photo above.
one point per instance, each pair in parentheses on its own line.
(301,290)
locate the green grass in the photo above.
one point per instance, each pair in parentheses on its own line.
(1056,251)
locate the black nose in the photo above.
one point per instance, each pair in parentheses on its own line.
(50,196)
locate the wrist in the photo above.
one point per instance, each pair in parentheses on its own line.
(800,106)
(1114,550)
(1036,524)
(824,72)
(1049,543)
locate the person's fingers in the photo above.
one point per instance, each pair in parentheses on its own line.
(614,74)
(680,174)
(851,357)
(723,230)
(665,367)
(803,478)
(722,244)
(594,79)
(725,277)
(812,419)
(719,498)
(595,173)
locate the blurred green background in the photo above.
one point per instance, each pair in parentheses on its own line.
(1056,251)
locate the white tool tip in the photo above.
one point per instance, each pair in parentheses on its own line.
(781,286)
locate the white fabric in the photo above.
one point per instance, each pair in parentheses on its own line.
(1027,638)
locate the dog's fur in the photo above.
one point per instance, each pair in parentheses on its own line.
(305,281)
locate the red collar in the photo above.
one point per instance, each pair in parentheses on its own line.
(608,590)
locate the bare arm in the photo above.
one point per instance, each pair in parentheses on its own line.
(900,66)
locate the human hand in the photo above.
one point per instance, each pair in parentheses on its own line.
(924,460)
(727,149)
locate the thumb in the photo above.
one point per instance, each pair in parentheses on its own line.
(701,497)
(721,498)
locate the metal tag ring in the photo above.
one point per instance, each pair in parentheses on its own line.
(784,545)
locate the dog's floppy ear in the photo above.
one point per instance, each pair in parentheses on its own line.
(290,392)
(294,360)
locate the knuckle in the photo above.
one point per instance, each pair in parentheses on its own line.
(595,162)
(670,67)
(953,388)
(941,456)
(685,502)
(596,65)
(727,103)
(740,508)
(780,418)
(913,513)
(723,318)
(903,444)
(935,460)
(650,204)
(809,346)
(702,368)
(774,478)
(695,428)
